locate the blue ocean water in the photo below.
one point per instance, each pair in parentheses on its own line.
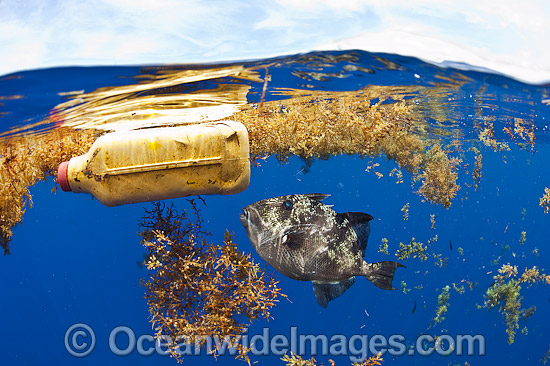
(73,260)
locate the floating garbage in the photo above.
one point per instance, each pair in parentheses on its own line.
(161,163)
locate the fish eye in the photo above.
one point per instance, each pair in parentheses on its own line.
(287,204)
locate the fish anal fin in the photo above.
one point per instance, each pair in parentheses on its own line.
(381,273)
(328,291)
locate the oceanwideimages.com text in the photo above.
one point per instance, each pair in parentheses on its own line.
(80,341)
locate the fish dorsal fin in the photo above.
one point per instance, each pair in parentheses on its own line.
(328,291)
(360,223)
(317,196)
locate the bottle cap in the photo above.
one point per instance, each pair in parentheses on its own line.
(62,176)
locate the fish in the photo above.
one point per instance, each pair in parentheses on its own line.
(147,260)
(306,240)
(451,245)
(143,263)
(414,308)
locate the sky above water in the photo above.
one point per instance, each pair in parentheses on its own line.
(506,36)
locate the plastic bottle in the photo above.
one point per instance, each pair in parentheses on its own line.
(161,163)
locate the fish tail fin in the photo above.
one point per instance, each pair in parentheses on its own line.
(381,273)
(140,265)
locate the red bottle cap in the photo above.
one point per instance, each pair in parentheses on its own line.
(62,176)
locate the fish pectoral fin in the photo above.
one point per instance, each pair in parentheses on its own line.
(294,238)
(328,291)
(297,235)
(381,273)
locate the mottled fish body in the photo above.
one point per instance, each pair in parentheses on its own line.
(307,240)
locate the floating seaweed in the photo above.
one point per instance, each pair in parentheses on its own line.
(370,167)
(439,176)
(313,124)
(398,174)
(476,174)
(384,247)
(404,288)
(504,294)
(414,249)
(470,284)
(487,137)
(405,210)
(432,221)
(523,133)
(295,360)
(544,358)
(460,289)
(442,305)
(545,200)
(26,160)
(197,289)
(439,260)
(523,238)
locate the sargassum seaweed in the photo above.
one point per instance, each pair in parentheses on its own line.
(504,294)
(295,360)
(196,289)
(322,124)
(545,200)
(26,160)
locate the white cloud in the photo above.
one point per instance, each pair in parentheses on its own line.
(506,35)
(276,20)
(309,5)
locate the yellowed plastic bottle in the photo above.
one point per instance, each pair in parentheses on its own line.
(161,163)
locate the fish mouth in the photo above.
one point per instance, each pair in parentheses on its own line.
(249,219)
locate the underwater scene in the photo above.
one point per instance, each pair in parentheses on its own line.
(425,189)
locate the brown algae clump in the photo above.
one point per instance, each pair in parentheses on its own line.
(196,289)
(414,249)
(322,124)
(523,133)
(545,200)
(439,176)
(487,137)
(442,305)
(504,294)
(24,161)
(296,360)
(384,248)
(432,221)
(405,210)
(476,174)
